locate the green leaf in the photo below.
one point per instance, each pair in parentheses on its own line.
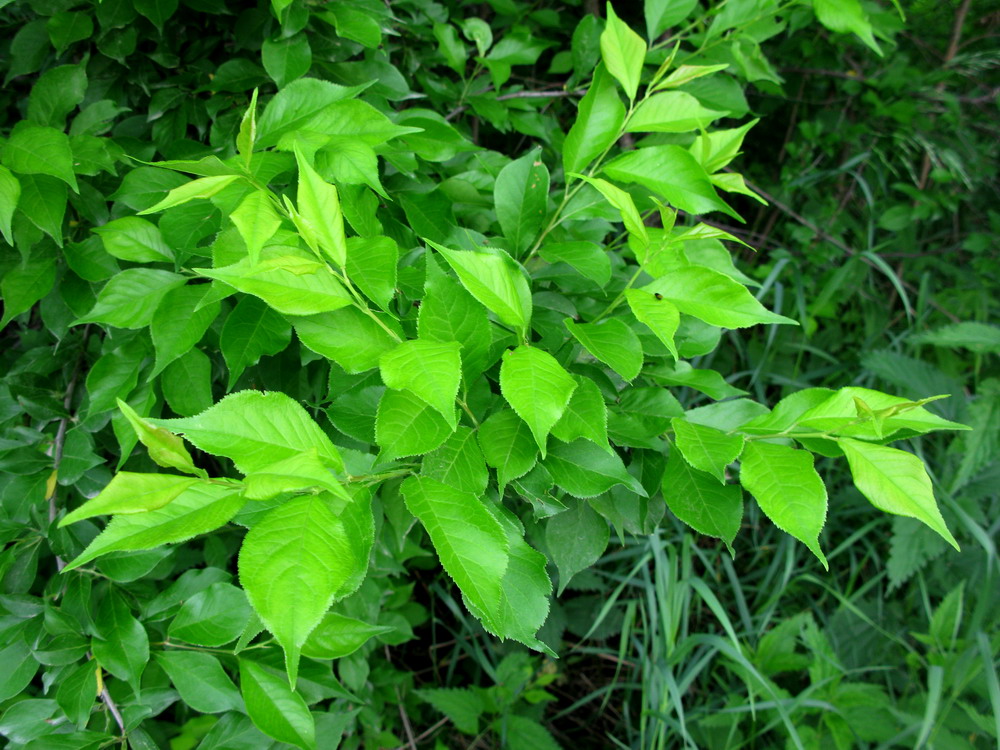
(672,172)
(496,281)
(289,283)
(458,462)
(461,705)
(129,492)
(200,508)
(255,429)
(406,426)
(521,195)
(713,297)
(187,383)
(157,11)
(371,265)
(709,382)
(449,313)
(623,202)
(537,388)
(301,472)
(671,112)
(576,539)
(286,60)
(716,149)
(37,149)
(204,187)
(525,732)
(846,16)
(179,323)
(123,646)
(586,415)
(251,330)
(24,285)
(706,506)
(598,123)
(248,132)
(134,239)
(659,314)
(65,28)
(981,338)
(293,563)
(43,201)
(10,193)
(349,337)
(896,482)
(588,258)
(429,370)
(662,14)
(346,159)
(20,667)
(706,448)
(274,708)
(200,681)
(788,490)
(612,342)
(76,693)
(338,636)
(57,92)
(212,617)
(478,31)
(296,105)
(469,541)
(256,221)
(130,298)
(319,217)
(507,445)
(623,52)
(584,470)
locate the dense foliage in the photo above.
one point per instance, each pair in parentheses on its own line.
(365,322)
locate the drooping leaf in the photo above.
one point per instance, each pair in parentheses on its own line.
(129,492)
(351,338)
(623,52)
(302,471)
(598,123)
(660,315)
(788,490)
(165,448)
(204,187)
(576,539)
(319,217)
(274,708)
(706,448)
(585,470)
(521,196)
(338,636)
(123,646)
(39,149)
(702,503)
(458,462)
(537,388)
(586,415)
(612,342)
(430,370)
(130,298)
(671,112)
(623,202)
(507,445)
(200,680)
(407,426)
(251,331)
(256,221)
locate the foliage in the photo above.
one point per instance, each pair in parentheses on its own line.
(478,275)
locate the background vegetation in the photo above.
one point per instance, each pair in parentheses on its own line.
(877,154)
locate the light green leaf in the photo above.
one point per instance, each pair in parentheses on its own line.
(495,280)
(371,265)
(274,708)
(598,123)
(296,105)
(612,342)
(406,425)
(303,471)
(349,337)
(586,415)
(588,258)
(896,482)
(130,298)
(200,681)
(213,617)
(43,201)
(537,387)
(660,315)
(459,462)
(251,331)
(349,160)
(198,509)
(706,506)
(164,448)
(430,370)
(671,112)
(507,445)
(623,52)
(204,187)
(713,297)
(623,202)
(255,429)
(576,539)
(521,195)
(470,542)
(38,149)
(257,221)
(846,16)
(662,14)
(709,382)
(248,132)
(10,193)
(134,239)
(585,470)
(788,490)
(289,283)
(338,636)
(293,562)
(129,492)
(319,218)
(672,172)
(706,448)
(478,31)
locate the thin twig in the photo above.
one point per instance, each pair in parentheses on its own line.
(427,732)
(518,95)
(108,701)
(411,741)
